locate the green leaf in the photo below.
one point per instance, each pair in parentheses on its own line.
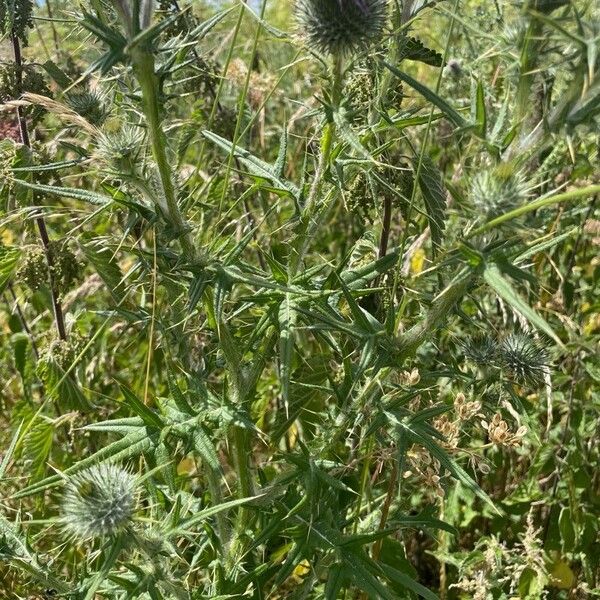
(103,260)
(567,529)
(429,95)
(434,196)
(256,166)
(507,292)
(414,49)
(407,582)
(62,387)
(9,259)
(198,517)
(9,452)
(63,192)
(205,448)
(150,418)
(57,74)
(130,446)
(480,111)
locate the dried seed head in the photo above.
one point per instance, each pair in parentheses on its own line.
(500,434)
(450,430)
(465,410)
(525,360)
(341,26)
(99,502)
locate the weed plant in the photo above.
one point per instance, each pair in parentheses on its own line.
(299,299)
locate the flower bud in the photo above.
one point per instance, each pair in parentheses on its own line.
(341,26)
(99,502)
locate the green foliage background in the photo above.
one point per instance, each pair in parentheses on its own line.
(333,319)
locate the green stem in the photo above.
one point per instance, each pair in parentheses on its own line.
(575,194)
(143,65)
(408,342)
(327,140)
(213,478)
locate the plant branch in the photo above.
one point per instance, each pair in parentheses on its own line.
(39,219)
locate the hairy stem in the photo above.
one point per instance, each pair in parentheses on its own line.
(143,64)
(327,140)
(408,342)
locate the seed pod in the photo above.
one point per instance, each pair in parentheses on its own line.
(99,502)
(341,26)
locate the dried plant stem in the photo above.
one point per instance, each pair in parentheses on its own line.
(40,222)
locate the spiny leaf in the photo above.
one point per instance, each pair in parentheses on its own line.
(63,192)
(434,196)
(256,166)
(430,95)
(507,292)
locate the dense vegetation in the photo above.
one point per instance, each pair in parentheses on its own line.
(300,300)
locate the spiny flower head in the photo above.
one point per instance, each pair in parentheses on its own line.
(99,501)
(341,26)
(496,191)
(482,350)
(121,151)
(524,358)
(90,105)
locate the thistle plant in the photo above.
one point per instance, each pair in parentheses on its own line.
(99,502)
(341,27)
(496,191)
(523,358)
(278,337)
